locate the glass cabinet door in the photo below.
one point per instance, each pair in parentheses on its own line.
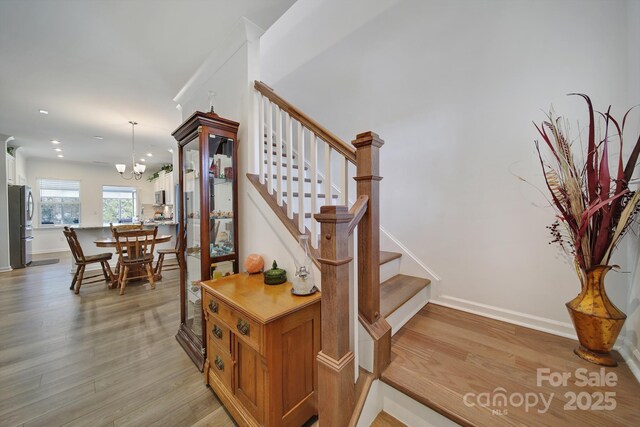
(222,239)
(191,206)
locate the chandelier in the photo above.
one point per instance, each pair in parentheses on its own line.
(137,169)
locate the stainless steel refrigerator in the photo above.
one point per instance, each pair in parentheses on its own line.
(20,229)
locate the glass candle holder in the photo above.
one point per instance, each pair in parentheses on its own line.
(303,281)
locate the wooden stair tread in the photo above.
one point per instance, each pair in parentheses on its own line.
(442,354)
(308,195)
(293,178)
(284,165)
(386,256)
(398,290)
(385,420)
(275,154)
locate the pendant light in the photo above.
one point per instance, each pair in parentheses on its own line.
(137,169)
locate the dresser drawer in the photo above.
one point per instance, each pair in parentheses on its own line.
(210,303)
(244,328)
(220,364)
(239,324)
(219,333)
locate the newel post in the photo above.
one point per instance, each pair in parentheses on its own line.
(336,389)
(368,184)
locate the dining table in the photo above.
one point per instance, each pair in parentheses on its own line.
(110,242)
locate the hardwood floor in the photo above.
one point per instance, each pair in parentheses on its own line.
(444,358)
(385,420)
(98,358)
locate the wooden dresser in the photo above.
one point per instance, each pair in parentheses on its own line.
(262,343)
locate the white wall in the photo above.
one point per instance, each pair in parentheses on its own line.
(632,336)
(92,177)
(229,71)
(452,87)
(4,208)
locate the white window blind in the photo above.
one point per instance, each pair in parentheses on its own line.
(59,202)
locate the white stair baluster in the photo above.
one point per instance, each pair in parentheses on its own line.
(278,149)
(261,138)
(268,147)
(344,181)
(313,165)
(327,175)
(353,296)
(289,151)
(300,178)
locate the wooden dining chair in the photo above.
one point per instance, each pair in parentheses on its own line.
(178,251)
(135,252)
(124,227)
(83,260)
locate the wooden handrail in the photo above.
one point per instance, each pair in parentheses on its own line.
(336,143)
(358,210)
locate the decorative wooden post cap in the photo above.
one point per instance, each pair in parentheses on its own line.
(332,213)
(367,138)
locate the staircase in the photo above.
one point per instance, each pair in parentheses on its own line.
(306,175)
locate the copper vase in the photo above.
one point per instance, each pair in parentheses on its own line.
(596,320)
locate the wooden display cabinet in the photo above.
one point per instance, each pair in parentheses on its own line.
(262,343)
(208,153)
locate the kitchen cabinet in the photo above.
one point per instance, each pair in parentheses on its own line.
(262,343)
(165,183)
(11,169)
(207,155)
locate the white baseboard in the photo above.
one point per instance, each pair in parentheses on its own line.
(542,324)
(5,269)
(50,251)
(631,356)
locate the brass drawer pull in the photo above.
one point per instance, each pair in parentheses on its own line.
(213,306)
(217,331)
(219,363)
(243,327)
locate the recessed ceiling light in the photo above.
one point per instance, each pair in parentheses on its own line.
(170,150)
(60,155)
(55,141)
(57,149)
(98,137)
(43,112)
(149,155)
(142,159)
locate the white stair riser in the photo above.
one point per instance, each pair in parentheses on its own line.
(296,186)
(283,170)
(402,315)
(307,204)
(389,269)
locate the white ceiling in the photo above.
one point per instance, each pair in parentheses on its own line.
(95,65)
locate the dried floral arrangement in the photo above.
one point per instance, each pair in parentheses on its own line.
(594,208)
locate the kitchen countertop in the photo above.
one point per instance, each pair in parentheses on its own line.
(97,227)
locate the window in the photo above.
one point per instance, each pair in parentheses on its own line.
(59,202)
(118,204)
